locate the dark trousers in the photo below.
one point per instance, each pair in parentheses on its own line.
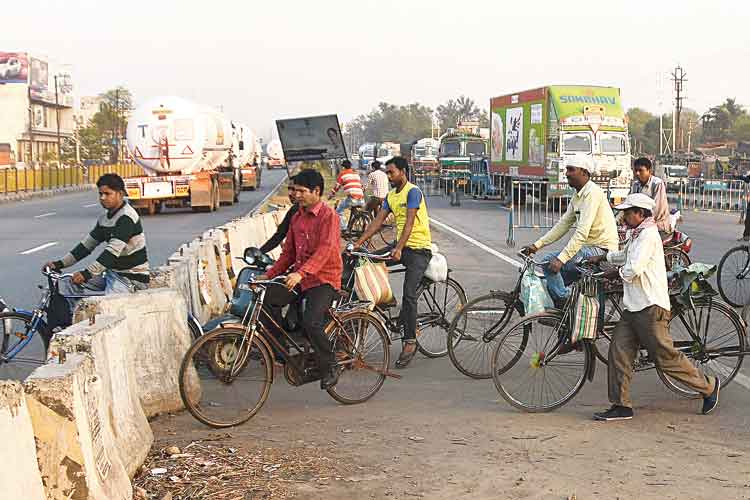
(415,262)
(316,303)
(746,232)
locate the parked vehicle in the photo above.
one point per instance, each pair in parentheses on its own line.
(676,177)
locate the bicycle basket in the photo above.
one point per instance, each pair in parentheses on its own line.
(694,284)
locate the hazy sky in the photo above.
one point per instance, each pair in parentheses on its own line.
(264,60)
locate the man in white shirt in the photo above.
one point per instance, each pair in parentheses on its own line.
(646,182)
(378,185)
(645,319)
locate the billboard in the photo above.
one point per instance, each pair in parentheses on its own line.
(14,67)
(39,79)
(311,138)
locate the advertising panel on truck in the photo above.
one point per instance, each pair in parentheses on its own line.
(311,138)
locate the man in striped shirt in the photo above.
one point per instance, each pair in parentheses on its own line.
(378,184)
(352,184)
(122,267)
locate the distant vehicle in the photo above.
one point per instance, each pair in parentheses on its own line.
(424,155)
(275,155)
(676,176)
(367,156)
(355,156)
(457,149)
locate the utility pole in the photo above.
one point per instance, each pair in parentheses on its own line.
(678,77)
(116,131)
(31,129)
(57,119)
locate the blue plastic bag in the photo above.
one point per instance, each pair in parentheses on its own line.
(534,294)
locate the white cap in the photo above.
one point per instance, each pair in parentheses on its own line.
(582,161)
(639,200)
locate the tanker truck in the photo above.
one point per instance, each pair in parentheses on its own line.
(275,155)
(246,144)
(187,154)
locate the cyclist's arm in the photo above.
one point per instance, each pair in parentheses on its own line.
(339,183)
(82,249)
(558,230)
(661,208)
(375,225)
(281,231)
(125,229)
(286,259)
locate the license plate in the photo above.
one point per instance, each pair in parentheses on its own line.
(461,182)
(157,189)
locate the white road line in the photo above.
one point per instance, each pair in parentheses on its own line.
(743,380)
(476,243)
(40,247)
(45,215)
(91,205)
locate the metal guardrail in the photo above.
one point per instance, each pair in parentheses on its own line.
(727,195)
(20,180)
(531,208)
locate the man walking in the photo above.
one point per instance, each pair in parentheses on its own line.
(645,319)
(595,233)
(352,184)
(377,184)
(413,245)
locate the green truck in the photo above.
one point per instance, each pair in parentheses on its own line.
(534,131)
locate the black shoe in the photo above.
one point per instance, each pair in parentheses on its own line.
(712,401)
(406,356)
(615,413)
(330,377)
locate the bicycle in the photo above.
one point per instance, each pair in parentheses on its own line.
(216,365)
(26,334)
(436,301)
(536,368)
(733,276)
(360,218)
(478,325)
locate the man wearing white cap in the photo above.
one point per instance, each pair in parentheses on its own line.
(645,319)
(595,232)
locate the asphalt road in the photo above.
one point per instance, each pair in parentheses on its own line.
(36,231)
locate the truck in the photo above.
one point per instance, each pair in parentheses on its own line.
(186,152)
(533,132)
(424,155)
(675,176)
(247,157)
(275,155)
(458,147)
(386,150)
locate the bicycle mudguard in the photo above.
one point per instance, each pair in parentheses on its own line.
(592,365)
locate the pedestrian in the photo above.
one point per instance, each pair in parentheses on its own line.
(283,228)
(647,183)
(645,319)
(413,245)
(746,232)
(349,180)
(595,230)
(122,267)
(312,251)
(377,184)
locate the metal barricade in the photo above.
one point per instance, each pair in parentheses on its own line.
(532,207)
(428,183)
(728,195)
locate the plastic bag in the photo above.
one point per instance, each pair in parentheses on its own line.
(437,269)
(534,294)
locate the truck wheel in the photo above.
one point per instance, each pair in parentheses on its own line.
(237,189)
(215,200)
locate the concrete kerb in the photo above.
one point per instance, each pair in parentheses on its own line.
(70,412)
(19,476)
(47,193)
(109,343)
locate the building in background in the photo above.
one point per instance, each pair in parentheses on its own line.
(87,108)
(37,108)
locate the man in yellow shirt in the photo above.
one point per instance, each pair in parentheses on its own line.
(413,245)
(595,232)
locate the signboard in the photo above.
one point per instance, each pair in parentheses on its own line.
(14,67)
(311,138)
(39,79)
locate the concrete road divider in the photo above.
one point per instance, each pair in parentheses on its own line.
(19,474)
(71,415)
(109,341)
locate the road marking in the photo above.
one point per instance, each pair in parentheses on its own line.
(743,380)
(45,215)
(91,205)
(476,243)
(268,196)
(40,247)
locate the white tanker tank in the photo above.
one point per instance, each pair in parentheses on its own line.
(275,154)
(185,150)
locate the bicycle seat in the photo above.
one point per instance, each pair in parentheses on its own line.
(220,321)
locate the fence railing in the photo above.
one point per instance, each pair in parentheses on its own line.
(722,195)
(532,208)
(19,180)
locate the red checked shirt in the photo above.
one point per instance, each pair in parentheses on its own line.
(312,245)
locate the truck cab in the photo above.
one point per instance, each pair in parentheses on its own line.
(675,176)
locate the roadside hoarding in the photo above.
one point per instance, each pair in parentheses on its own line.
(14,67)
(39,79)
(311,138)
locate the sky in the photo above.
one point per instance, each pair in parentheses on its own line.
(264,60)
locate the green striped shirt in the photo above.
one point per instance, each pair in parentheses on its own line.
(125,250)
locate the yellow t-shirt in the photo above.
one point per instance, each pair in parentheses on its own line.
(398,203)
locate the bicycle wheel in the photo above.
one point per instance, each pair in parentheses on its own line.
(540,379)
(733,281)
(362,353)
(23,348)
(438,303)
(224,378)
(612,314)
(387,232)
(710,338)
(467,349)
(357,224)
(674,257)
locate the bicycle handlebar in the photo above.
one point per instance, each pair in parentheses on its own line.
(53,274)
(363,253)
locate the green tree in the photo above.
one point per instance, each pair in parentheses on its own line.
(638,118)
(111,120)
(454,111)
(391,123)
(720,120)
(741,129)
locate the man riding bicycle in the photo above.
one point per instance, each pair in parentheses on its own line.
(647,183)
(122,267)
(595,233)
(352,184)
(312,247)
(377,184)
(413,245)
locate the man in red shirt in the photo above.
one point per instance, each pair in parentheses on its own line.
(312,249)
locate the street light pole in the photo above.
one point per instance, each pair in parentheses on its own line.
(57,118)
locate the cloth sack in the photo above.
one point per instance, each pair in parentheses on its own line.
(534,294)
(585,314)
(371,282)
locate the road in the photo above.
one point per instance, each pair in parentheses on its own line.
(435,434)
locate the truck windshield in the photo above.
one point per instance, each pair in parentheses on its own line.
(612,143)
(576,143)
(474,148)
(450,148)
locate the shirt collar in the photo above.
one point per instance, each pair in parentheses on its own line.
(315,209)
(585,189)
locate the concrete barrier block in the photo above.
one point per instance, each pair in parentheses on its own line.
(108,342)
(158,340)
(19,475)
(70,413)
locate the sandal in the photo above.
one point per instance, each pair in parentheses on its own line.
(407,354)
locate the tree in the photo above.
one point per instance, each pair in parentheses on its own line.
(741,129)
(390,123)
(637,120)
(455,111)
(111,119)
(720,120)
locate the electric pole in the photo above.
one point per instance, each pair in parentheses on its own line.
(678,77)
(57,119)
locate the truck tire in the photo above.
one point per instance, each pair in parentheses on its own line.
(215,200)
